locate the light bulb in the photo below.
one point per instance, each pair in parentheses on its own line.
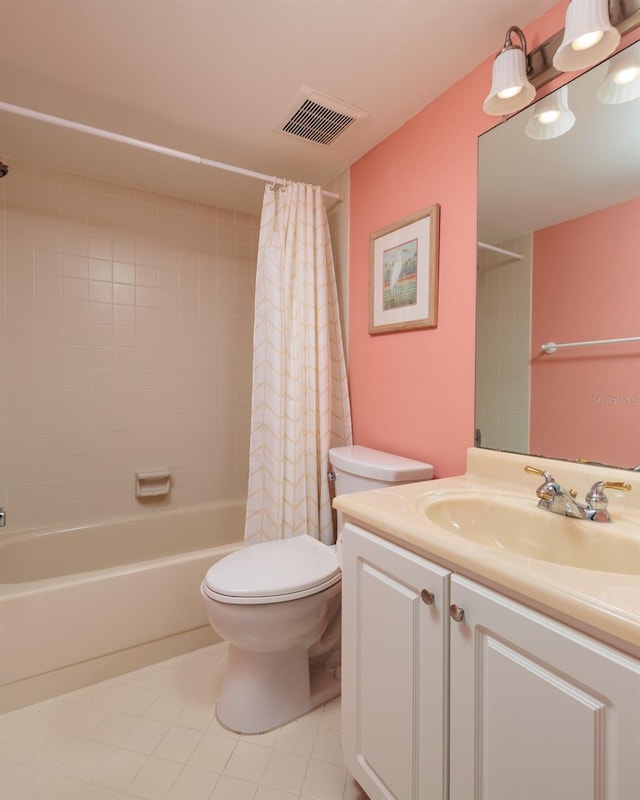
(547,117)
(587,40)
(552,116)
(626,75)
(512,91)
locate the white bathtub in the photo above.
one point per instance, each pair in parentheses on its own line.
(83,604)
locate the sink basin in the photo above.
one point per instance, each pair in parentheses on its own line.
(517,525)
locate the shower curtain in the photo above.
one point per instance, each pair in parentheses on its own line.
(299,403)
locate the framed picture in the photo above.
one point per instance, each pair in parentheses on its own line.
(403,279)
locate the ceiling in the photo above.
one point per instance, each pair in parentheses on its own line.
(217,78)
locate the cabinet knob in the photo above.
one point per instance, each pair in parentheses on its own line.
(456,613)
(427,597)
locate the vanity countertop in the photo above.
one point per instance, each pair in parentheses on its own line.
(603,604)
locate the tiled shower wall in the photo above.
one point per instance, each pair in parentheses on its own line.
(503,347)
(125,344)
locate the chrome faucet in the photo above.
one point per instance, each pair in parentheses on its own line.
(553,497)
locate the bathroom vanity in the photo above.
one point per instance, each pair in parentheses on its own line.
(489,666)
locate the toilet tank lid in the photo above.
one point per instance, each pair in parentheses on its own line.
(368,463)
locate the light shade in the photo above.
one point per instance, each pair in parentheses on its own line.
(622,81)
(551,116)
(510,87)
(588,36)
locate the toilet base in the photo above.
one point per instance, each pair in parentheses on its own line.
(262,691)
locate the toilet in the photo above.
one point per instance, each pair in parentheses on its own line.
(278,604)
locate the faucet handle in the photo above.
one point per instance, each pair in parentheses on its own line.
(596,492)
(598,501)
(621,486)
(548,477)
(547,489)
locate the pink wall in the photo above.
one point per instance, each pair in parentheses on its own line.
(576,297)
(413,392)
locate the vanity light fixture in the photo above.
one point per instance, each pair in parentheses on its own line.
(588,37)
(623,15)
(510,87)
(551,116)
(622,81)
(517,74)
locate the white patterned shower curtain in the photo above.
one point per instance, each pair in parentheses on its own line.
(299,403)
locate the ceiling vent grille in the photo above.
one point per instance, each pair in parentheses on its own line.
(321,119)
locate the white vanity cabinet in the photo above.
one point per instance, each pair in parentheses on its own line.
(394,681)
(537,709)
(476,696)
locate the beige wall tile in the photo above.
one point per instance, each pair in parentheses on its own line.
(121,322)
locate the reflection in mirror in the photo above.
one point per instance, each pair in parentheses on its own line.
(559,223)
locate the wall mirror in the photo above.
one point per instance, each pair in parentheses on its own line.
(559,262)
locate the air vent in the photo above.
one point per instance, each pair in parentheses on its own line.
(321,119)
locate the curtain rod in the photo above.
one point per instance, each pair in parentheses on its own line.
(551,347)
(155,148)
(501,250)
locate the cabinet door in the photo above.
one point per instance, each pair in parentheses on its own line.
(539,711)
(394,698)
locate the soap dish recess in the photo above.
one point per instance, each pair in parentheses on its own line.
(153,483)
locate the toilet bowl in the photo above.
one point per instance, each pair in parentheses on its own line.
(278,606)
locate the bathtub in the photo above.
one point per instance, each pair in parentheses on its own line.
(83,604)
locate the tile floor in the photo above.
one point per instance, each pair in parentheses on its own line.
(153,734)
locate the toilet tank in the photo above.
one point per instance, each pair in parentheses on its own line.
(360,468)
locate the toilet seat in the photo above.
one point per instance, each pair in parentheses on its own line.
(273,572)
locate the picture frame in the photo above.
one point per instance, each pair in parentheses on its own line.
(403,277)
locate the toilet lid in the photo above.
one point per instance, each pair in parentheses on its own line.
(273,571)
